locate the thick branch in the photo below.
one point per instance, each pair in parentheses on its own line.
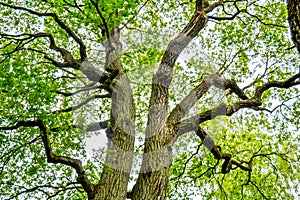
(212,6)
(187,103)
(163,77)
(164,74)
(210,80)
(193,122)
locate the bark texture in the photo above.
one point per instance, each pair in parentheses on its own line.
(115,176)
(154,175)
(293,7)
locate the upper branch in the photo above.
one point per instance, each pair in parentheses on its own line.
(104,28)
(210,80)
(292,81)
(85,66)
(238,11)
(192,123)
(20,124)
(25,37)
(163,77)
(212,6)
(82,46)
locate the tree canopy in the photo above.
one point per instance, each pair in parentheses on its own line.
(184,99)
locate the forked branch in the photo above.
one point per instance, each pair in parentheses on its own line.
(82,46)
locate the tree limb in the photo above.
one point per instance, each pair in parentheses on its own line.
(193,122)
(89,128)
(210,80)
(83,103)
(52,157)
(82,46)
(208,142)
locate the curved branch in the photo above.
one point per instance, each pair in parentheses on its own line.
(262,22)
(39,188)
(82,46)
(210,80)
(83,103)
(105,27)
(212,6)
(192,123)
(226,18)
(208,142)
(260,192)
(186,162)
(292,81)
(69,60)
(52,157)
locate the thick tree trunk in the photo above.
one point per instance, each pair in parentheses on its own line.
(154,174)
(115,175)
(293,7)
(121,133)
(152,183)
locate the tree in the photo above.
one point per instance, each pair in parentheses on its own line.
(63,60)
(293,16)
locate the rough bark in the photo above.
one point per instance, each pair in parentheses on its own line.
(115,175)
(120,134)
(293,7)
(162,130)
(154,175)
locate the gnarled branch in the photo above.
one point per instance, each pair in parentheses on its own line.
(52,157)
(82,46)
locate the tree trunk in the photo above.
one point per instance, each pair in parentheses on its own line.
(121,133)
(153,181)
(293,7)
(115,175)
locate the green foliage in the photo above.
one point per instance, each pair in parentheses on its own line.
(252,49)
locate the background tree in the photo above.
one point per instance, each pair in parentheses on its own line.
(70,69)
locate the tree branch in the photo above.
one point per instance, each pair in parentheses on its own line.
(212,6)
(59,22)
(67,94)
(163,77)
(104,27)
(52,157)
(193,122)
(89,128)
(210,80)
(83,103)
(208,142)
(39,188)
